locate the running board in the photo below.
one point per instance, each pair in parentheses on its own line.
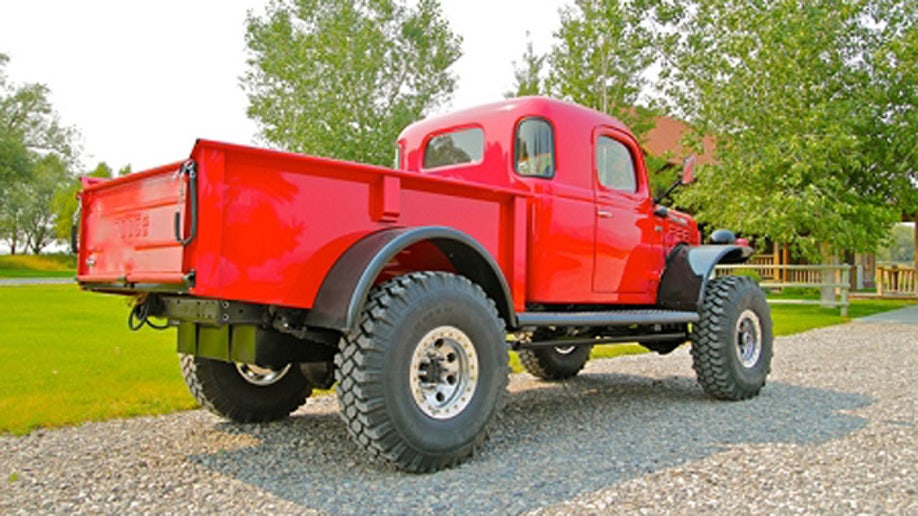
(596,341)
(612,318)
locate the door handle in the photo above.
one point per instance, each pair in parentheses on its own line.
(604,214)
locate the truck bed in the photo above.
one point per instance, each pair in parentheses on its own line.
(263,226)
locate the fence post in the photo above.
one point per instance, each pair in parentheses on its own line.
(846,282)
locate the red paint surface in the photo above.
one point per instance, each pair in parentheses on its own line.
(272,224)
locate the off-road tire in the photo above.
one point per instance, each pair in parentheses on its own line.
(381,389)
(556,363)
(220,388)
(732,343)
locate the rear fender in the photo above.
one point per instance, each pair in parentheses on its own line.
(688,270)
(345,289)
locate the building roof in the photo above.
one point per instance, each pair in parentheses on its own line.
(666,137)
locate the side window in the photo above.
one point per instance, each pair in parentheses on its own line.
(454,148)
(614,165)
(535,148)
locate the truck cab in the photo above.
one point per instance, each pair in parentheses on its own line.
(595,236)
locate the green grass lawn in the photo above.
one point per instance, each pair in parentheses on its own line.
(67,356)
(601,351)
(789,319)
(44,266)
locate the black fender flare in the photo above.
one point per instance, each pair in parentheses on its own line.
(346,286)
(688,269)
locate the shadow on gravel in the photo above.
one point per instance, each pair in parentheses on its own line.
(549,444)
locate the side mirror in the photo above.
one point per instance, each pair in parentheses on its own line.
(688,175)
(688,170)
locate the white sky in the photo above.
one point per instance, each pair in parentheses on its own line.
(142,80)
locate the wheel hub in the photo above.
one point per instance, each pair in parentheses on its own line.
(748,338)
(261,376)
(444,372)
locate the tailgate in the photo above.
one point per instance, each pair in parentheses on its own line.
(133,230)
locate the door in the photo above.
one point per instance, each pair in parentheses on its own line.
(625,235)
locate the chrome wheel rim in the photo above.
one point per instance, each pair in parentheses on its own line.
(564,350)
(444,372)
(748,338)
(261,376)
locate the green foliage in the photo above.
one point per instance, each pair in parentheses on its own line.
(27,215)
(800,99)
(529,74)
(901,245)
(37,154)
(890,119)
(342,78)
(49,176)
(602,53)
(662,174)
(26,115)
(14,161)
(67,357)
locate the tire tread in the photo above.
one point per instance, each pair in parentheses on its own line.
(711,346)
(360,376)
(207,382)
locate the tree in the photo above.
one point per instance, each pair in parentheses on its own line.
(601,58)
(341,78)
(14,156)
(890,122)
(36,153)
(901,245)
(27,215)
(787,88)
(49,176)
(26,115)
(14,161)
(529,74)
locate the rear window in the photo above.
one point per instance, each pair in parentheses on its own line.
(454,148)
(535,148)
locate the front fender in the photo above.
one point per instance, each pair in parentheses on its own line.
(347,285)
(688,270)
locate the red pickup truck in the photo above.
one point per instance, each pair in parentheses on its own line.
(530,217)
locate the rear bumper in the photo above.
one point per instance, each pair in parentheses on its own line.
(138,283)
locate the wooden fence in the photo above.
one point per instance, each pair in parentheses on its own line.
(836,277)
(894,281)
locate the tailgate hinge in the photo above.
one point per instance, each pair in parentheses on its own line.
(190,169)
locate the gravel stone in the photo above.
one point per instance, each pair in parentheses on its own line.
(834,431)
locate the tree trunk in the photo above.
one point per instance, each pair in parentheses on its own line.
(915,255)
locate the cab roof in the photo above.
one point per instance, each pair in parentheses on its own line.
(560,112)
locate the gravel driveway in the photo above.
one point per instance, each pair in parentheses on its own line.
(833,432)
